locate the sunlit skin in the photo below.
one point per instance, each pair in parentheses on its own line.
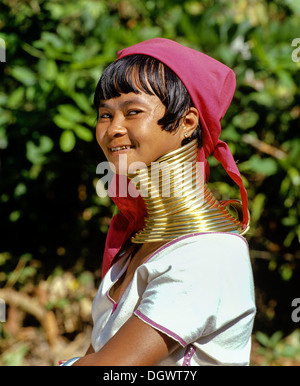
(131,120)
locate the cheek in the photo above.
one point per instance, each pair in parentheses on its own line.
(100,135)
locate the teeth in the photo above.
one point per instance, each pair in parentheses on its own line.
(120,148)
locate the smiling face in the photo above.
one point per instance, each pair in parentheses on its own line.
(144,112)
(128,124)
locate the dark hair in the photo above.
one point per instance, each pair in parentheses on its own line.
(136,73)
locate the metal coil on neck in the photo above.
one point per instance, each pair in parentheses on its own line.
(178,200)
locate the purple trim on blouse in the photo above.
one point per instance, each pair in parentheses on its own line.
(114,307)
(161,328)
(189,352)
(115,304)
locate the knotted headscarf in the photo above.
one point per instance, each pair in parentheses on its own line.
(211,86)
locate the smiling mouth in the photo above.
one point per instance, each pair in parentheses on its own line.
(114,149)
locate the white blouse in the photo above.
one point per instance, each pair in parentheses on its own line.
(198,289)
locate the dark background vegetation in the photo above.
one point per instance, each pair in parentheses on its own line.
(52,222)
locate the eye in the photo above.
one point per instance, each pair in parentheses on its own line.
(134,112)
(105,116)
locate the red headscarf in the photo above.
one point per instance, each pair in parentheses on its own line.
(211,86)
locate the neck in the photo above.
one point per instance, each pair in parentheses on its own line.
(178,200)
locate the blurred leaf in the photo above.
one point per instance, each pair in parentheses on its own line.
(48,69)
(24,75)
(82,102)
(266,166)
(262,338)
(15,356)
(257,206)
(269,342)
(16,98)
(20,189)
(67,141)
(36,153)
(83,133)
(70,112)
(246,119)
(286,272)
(63,122)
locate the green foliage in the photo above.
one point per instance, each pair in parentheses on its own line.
(275,347)
(56,51)
(15,356)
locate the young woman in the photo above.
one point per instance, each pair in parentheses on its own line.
(177,285)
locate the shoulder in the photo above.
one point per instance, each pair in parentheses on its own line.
(200,255)
(203,247)
(208,276)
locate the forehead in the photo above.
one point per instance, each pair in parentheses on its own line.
(130,99)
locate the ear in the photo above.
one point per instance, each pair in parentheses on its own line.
(190,122)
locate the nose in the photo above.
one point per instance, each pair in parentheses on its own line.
(116,128)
